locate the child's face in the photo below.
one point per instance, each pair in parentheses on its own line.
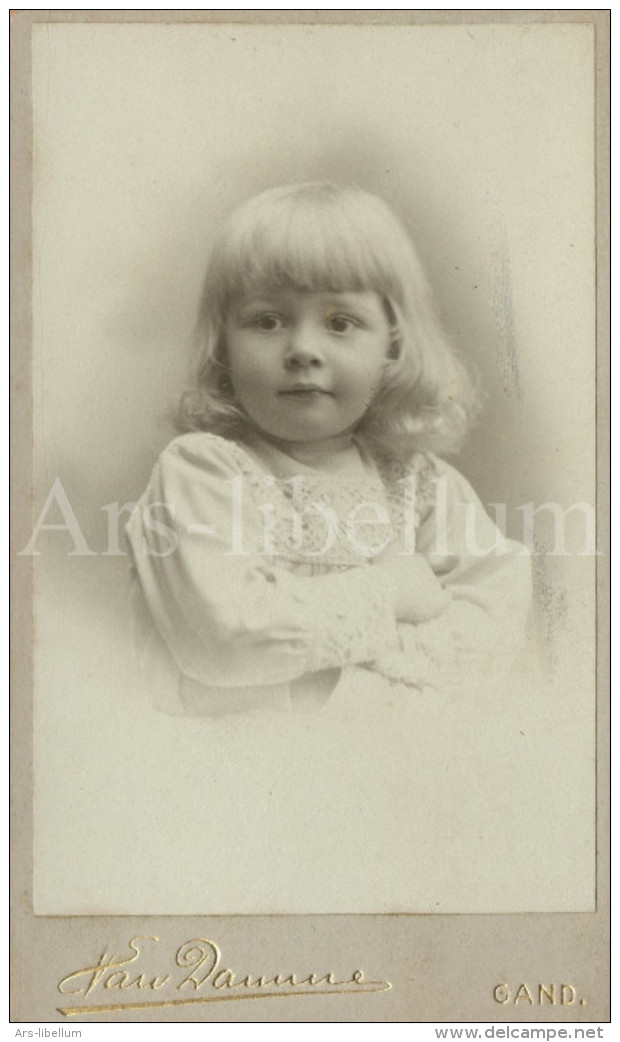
(305,366)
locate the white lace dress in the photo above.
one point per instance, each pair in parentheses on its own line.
(255,587)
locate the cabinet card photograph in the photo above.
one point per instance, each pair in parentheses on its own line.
(306,388)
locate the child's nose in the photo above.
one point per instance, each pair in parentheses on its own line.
(303,347)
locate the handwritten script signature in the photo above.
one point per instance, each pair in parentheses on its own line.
(197,967)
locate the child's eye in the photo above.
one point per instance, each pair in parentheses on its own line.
(268,323)
(342,323)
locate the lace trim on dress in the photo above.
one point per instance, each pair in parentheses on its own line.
(335,522)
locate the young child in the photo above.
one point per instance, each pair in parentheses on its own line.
(303,533)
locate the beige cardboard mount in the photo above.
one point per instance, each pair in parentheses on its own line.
(170,869)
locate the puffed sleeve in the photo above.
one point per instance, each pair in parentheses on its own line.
(489,578)
(229,614)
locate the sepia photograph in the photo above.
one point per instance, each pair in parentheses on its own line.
(308,514)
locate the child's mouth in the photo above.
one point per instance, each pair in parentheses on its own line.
(305,392)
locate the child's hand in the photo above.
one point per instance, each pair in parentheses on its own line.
(418,594)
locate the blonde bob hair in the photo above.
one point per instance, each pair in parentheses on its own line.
(321,237)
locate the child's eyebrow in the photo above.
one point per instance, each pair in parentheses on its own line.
(241,304)
(250,299)
(350,301)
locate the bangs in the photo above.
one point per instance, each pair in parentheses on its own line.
(315,238)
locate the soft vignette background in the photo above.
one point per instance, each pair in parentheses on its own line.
(144,137)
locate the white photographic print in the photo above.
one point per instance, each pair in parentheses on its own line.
(313,534)
(122,250)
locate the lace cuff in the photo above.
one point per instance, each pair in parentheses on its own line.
(354,620)
(445,651)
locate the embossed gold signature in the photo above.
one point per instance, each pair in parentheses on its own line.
(197,967)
